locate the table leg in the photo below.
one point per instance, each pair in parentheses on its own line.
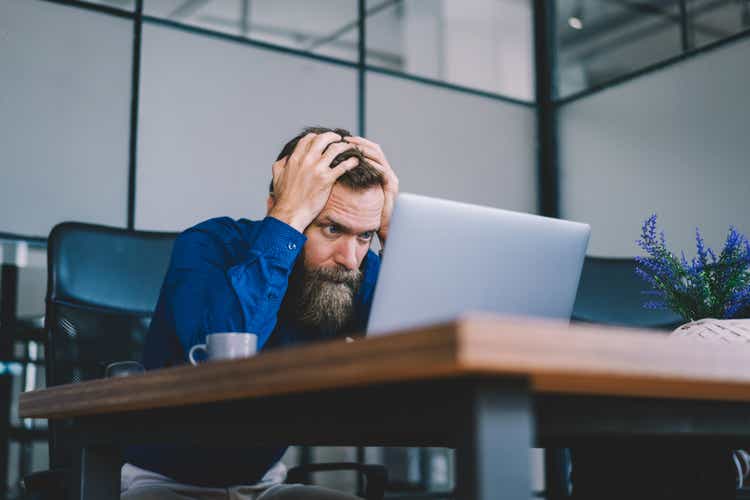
(6,392)
(493,458)
(97,473)
(8,307)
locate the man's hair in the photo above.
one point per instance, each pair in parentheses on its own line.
(359,178)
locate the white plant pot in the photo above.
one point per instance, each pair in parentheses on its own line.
(716,330)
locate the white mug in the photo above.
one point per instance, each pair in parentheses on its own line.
(226,346)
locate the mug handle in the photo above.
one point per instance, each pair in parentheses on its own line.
(192,351)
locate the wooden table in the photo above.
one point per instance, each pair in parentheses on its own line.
(488,386)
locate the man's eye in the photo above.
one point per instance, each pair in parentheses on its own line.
(367,235)
(331,229)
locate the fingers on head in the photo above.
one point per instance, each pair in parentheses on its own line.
(335,150)
(361,141)
(344,167)
(380,168)
(303,146)
(370,151)
(322,141)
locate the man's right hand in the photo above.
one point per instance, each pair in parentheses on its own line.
(303,181)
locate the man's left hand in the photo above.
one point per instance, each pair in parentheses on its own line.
(375,156)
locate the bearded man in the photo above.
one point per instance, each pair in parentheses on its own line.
(303,273)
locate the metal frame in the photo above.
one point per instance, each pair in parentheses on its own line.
(8,307)
(545,56)
(83,4)
(32,241)
(135,93)
(684,27)
(6,392)
(361,70)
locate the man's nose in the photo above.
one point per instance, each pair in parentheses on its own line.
(346,253)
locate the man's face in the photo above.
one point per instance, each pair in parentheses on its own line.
(323,284)
(342,233)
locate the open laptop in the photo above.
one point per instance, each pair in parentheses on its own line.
(444,258)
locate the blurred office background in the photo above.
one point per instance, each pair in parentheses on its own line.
(158,118)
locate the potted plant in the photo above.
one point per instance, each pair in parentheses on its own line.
(710,292)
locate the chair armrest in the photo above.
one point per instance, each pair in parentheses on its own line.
(47,484)
(114,369)
(376,476)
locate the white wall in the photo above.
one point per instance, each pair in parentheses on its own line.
(673,142)
(454,145)
(214,116)
(64,116)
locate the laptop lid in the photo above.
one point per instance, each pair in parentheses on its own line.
(444,258)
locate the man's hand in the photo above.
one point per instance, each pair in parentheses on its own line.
(375,156)
(303,181)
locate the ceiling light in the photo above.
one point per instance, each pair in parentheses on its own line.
(575,20)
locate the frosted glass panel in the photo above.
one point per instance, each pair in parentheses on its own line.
(323,27)
(454,145)
(214,116)
(64,116)
(599,41)
(482,44)
(711,21)
(672,142)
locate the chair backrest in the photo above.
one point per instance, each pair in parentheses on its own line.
(103,284)
(610,292)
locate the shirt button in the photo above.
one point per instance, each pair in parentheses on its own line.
(292,246)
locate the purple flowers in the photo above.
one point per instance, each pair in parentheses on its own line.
(705,287)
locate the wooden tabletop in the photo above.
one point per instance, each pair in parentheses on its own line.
(554,357)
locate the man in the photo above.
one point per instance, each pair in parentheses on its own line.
(303,273)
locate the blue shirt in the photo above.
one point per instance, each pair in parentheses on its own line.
(229,276)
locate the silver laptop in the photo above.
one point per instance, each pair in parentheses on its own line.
(445,258)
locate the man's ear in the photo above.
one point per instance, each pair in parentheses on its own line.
(270,202)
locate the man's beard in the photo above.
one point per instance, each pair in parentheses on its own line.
(322,298)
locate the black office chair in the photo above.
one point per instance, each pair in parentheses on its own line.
(103,285)
(611,293)
(375,476)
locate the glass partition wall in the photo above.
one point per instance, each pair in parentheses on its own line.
(361,55)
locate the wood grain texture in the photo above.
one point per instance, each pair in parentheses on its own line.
(604,360)
(554,357)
